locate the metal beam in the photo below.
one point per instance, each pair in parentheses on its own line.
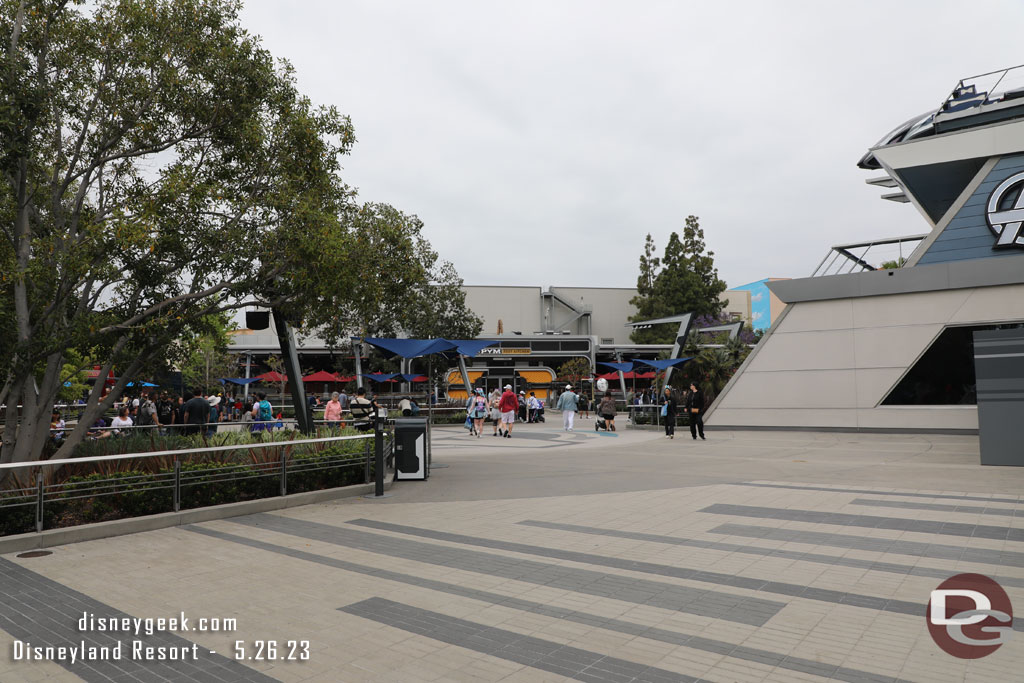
(289,352)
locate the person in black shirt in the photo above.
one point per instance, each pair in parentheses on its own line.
(671,408)
(695,409)
(196,411)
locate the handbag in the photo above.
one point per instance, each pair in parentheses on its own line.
(469,423)
(664,410)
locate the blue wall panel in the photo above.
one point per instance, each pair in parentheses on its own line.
(968,236)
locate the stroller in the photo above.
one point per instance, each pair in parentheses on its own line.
(537,415)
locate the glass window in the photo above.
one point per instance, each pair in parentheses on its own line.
(944,375)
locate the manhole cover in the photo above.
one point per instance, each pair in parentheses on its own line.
(36,553)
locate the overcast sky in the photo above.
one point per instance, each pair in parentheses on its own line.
(540,141)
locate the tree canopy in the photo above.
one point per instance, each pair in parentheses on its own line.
(683,280)
(160,168)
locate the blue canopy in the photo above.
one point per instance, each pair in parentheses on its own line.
(381,377)
(663,364)
(142,384)
(414,348)
(410,377)
(239,380)
(621,367)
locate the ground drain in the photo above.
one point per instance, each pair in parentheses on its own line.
(36,553)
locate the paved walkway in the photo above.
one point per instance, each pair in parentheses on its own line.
(556,556)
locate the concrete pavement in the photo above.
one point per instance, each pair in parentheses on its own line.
(553,556)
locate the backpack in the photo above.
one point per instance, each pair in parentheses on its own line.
(145,416)
(166,412)
(265,411)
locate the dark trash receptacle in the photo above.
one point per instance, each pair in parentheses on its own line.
(411,448)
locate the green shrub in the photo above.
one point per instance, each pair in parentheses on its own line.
(107,490)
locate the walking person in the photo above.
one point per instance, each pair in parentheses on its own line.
(215,411)
(671,406)
(695,409)
(532,406)
(568,403)
(332,412)
(493,403)
(606,411)
(477,411)
(508,405)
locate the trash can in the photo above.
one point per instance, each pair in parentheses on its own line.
(411,448)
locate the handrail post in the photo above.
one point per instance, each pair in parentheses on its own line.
(378,447)
(39,501)
(366,457)
(177,485)
(284,471)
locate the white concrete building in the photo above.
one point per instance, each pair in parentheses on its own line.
(893,348)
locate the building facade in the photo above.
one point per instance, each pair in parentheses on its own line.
(892,348)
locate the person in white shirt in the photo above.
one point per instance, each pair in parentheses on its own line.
(532,405)
(122,420)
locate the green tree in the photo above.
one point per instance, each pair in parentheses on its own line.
(683,280)
(573,371)
(158,167)
(207,357)
(276,364)
(894,264)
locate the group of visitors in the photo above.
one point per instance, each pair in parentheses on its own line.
(693,406)
(504,408)
(571,403)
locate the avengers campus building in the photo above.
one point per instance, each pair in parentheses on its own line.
(862,347)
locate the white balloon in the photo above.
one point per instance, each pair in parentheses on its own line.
(602,385)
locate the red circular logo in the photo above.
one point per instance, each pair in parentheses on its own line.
(969,616)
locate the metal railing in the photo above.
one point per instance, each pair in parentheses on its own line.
(869,255)
(162,489)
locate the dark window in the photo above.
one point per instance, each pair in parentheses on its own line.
(944,375)
(545,346)
(575,346)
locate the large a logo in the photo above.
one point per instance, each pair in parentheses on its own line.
(969,616)
(1005,214)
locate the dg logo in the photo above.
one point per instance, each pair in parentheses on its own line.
(969,616)
(1005,212)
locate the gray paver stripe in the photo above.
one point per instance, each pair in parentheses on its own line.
(46,613)
(903,494)
(818,558)
(743,609)
(875,544)
(721,579)
(940,507)
(575,616)
(537,653)
(924,526)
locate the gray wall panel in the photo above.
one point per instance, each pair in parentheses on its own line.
(967,236)
(999,367)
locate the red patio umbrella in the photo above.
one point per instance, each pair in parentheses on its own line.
(273,376)
(321,376)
